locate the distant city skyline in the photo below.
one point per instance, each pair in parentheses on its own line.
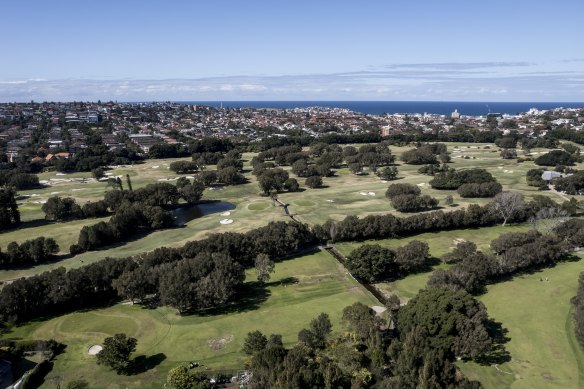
(319,50)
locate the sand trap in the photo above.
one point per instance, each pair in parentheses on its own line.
(226,213)
(331,201)
(60,174)
(109,174)
(226,221)
(363,193)
(54,193)
(94,350)
(155,167)
(421,184)
(218,343)
(383,182)
(378,309)
(510,171)
(371,193)
(499,167)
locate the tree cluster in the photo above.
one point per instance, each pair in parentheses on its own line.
(434,329)
(533,177)
(184,167)
(407,198)
(556,157)
(18,179)
(35,250)
(514,252)
(66,208)
(426,154)
(572,185)
(373,263)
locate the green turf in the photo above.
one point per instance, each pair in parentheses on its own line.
(538,316)
(323,286)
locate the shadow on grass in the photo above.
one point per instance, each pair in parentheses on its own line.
(249,297)
(142,363)
(498,353)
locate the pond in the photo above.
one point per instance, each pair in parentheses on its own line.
(184,215)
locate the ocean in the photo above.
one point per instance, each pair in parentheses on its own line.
(391,107)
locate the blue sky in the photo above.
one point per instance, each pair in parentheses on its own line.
(512,50)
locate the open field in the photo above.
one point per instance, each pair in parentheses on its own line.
(538,316)
(322,286)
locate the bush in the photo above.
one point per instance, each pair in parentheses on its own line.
(401,189)
(556,157)
(314,182)
(413,203)
(486,189)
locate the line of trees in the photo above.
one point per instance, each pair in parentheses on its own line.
(514,252)
(212,267)
(66,208)
(35,250)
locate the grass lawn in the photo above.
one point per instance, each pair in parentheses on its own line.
(538,316)
(165,338)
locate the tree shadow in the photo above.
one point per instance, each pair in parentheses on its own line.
(283,282)
(249,297)
(142,363)
(498,353)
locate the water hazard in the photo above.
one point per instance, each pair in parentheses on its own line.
(184,215)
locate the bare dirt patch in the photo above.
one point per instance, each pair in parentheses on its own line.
(217,344)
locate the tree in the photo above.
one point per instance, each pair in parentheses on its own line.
(401,189)
(314,182)
(254,342)
(9,214)
(98,173)
(449,200)
(264,266)
(454,320)
(57,208)
(320,327)
(547,220)
(230,176)
(388,173)
(291,185)
(371,263)
(179,378)
(116,352)
(506,204)
(192,193)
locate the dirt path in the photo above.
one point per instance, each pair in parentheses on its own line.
(553,190)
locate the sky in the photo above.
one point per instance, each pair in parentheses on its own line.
(224,50)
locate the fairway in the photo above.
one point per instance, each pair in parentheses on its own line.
(538,316)
(312,284)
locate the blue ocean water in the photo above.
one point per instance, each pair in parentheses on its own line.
(391,107)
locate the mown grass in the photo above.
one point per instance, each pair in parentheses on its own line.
(538,316)
(311,284)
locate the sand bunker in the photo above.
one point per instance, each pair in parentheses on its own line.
(155,167)
(331,201)
(226,213)
(378,309)
(363,193)
(94,350)
(371,193)
(421,184)
(226,221)
(60,174)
